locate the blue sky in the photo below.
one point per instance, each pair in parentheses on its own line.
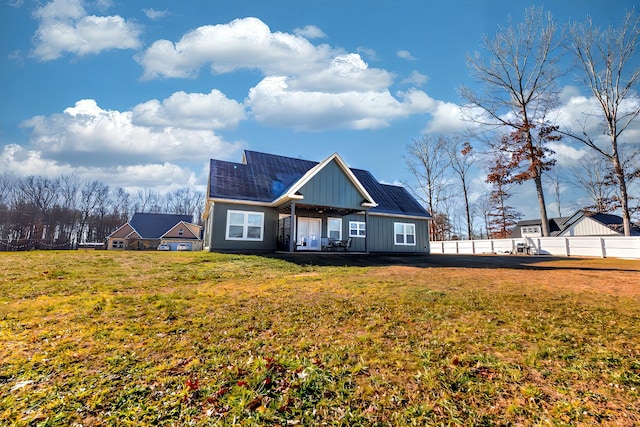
(141,94)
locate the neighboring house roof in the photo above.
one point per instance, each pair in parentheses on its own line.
(122,232)
(273,179)
(153,226)
(189,231)
(612,222)
(558,226)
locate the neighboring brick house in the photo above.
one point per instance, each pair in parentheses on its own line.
(149,230)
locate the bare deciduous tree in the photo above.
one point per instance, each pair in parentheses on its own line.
(518,73)
(482,208)
(92,194)
(592,175)
(608,66)
(66,209)
(428,161)
(462,158)
(121,202)
(184,201)
(7,184)
(41,193)
(147,201)
(556,179)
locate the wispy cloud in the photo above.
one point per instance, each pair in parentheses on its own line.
(405,54)
(155,14)
(310,32)
(416,78)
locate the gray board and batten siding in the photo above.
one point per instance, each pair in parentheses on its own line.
(331,187)
(276,185)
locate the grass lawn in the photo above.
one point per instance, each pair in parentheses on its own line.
(143,338)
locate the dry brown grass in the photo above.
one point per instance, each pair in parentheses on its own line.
(102,338)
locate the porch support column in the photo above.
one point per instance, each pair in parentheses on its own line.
(366,231)
(292,237)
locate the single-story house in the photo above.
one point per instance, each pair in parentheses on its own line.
(149,230)
(583,223)
(275,203)
(533,227)
(580,223)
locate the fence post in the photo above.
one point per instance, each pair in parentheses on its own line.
(566,246)
(602,248)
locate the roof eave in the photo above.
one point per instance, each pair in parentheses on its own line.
(238,201)
(398,215)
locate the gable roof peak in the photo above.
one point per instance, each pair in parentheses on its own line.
(293,191)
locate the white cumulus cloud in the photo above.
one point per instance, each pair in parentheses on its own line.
(274,103)
(159,177)
(86,134)
(65,27)
(191,111)
(242,44)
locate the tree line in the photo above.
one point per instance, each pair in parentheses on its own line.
(514,122)
(69,210)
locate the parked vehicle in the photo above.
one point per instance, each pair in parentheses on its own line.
(164,247)
(182,247)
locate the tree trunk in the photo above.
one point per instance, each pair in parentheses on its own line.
(466,207)
(543,209)
(536,169)
(624,197)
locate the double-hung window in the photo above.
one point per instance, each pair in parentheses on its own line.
(405,233)
(357,229)
(244,225)
(334,228)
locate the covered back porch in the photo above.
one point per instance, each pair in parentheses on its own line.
(316,228)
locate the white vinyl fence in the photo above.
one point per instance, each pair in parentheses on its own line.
(593,246)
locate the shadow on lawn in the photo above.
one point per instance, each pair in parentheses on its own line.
(436,260)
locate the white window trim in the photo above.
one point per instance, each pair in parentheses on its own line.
(357,229)
(245,226)
(404,233)
(339,227)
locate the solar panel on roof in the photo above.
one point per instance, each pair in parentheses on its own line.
(265,177)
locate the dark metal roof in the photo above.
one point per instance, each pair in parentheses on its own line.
(265,177)
(606,219)
(152,226)
(391,199)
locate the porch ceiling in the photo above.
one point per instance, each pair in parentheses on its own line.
(329,210)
